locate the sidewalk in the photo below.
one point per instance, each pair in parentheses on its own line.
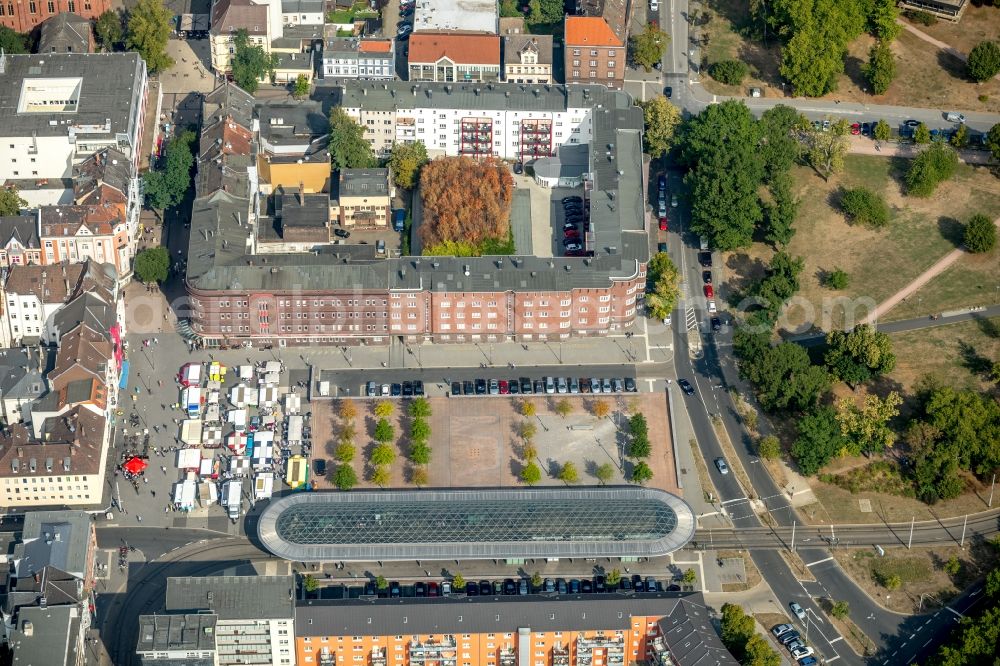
(862,145)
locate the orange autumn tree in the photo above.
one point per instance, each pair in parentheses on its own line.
(466,204)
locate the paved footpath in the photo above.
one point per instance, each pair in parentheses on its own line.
(939,267)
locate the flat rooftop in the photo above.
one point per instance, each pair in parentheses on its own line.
(488,523)
(460,15)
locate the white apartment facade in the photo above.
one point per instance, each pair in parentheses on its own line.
(58,109)
(507,133)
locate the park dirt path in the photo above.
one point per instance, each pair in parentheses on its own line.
(936,269)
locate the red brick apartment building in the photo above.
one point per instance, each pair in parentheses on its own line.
(595,43)
(24,15)
(250,284)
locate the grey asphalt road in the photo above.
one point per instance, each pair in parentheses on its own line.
(956,531)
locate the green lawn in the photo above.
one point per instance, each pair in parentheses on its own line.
(958,354)
(974,280)
(879,262)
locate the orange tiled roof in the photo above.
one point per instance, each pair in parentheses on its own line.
(589,31)
(460,49)
(375,46)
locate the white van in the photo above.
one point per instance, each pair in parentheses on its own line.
(654,5)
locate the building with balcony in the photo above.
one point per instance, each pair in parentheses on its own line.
(344,294)
(255,615)
(454,57)
(603,630)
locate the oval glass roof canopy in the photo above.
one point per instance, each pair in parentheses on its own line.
(490,523)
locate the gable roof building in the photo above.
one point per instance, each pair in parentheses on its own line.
(454,57)
(19,242)
(66,33)
(527,58)
(595,42)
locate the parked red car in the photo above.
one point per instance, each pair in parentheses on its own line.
(709,292)
(856,128)
(663,224)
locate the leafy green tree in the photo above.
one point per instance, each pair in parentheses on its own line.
(383,454)
(840,610)
(779,145)
(780,213)
(345,477)
(640,447)
(727,169)
(152,264)
(309,584)
(882,132)
(641,473)
(866,428)
(381,476)
(769,447)
(527,408)
(980,234)
(527,430)
(993,583)
(604,473)
(420,408)
(458,582)
(759,653)
(993,141)
(729,72)
(810,63)
(827,150)
(563,407)
(384,408)
(638,426)
(666,286)
(859,355)
(420,453)
(167,187)
(781,281)
(381,583)
(736,629)
(349,149)
(613,577)
(819,440)
(419,430)
(301,87)
(419,477)
(952,566)
(149,25)
(661,120)
(837,279)
(545,12)
(251,63)
(568,474)
(109,30)
(508,9)
(892,582)
(13,42)
(536,580)
(689,577)
(11,202)
(881,68)
(345,452)
(882,15)
(649,46)
(531,474)
(922,134)
(960,139)
(405,162)
(784,378)
(929,169)
(984,61)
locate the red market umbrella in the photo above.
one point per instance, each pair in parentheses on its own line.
(135,465)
